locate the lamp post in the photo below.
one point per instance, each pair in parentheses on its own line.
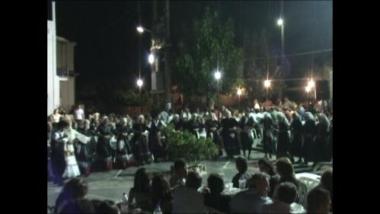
(152,57)
(139,83)
(217,76)
(140,29)
(267,85)
(239,92)
(311,85)
(280,23)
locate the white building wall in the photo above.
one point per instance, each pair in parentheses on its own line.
(53,95)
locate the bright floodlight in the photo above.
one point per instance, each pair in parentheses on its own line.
(239,91)
(311,83)
(151,58)
(140,29)
(307,89)
(280,22)
(217,75)
(267,83)
(139,83)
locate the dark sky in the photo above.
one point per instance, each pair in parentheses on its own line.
(107,41)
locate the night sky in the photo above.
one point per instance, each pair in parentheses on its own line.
(107,41)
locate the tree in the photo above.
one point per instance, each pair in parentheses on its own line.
(212,46)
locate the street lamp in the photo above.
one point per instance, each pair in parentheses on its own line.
(140,29)
(151,58)
(311,83)
(239,92)
(139,83)
(307,89)
(280,22)
(267,85)
(311,86)
(217,76)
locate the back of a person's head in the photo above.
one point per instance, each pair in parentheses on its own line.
(75,188)
(78,206)
(260,182)
(215,183)
(318,201)
(193,180)
(141,180)
(326,179)
(256,177)
(179,164)
(241,164)
(154,114)
(159,185)
(267,165)
(105,207)
(286,192)
(62,124)
(284,167)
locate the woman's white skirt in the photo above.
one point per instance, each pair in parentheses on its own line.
(72,169)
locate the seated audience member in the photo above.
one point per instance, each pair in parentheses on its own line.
(285,194)
(75,188)
(161,195)
(105,207)
(78,206)
(141,191)
(186,199)
(214,197)
(241,166)
(180,173)
(286,171)
(267,167)
(318,201)
(326,181)
(252,200)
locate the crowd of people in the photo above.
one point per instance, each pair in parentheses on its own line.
(79,143)
(272,189)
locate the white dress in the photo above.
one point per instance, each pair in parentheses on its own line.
(72,169)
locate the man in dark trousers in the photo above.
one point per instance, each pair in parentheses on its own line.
(309,132)
(156,146)
(57,152)
(229,135)
(296,128)
(139,141)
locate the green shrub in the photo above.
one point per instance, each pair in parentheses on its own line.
(185,145)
